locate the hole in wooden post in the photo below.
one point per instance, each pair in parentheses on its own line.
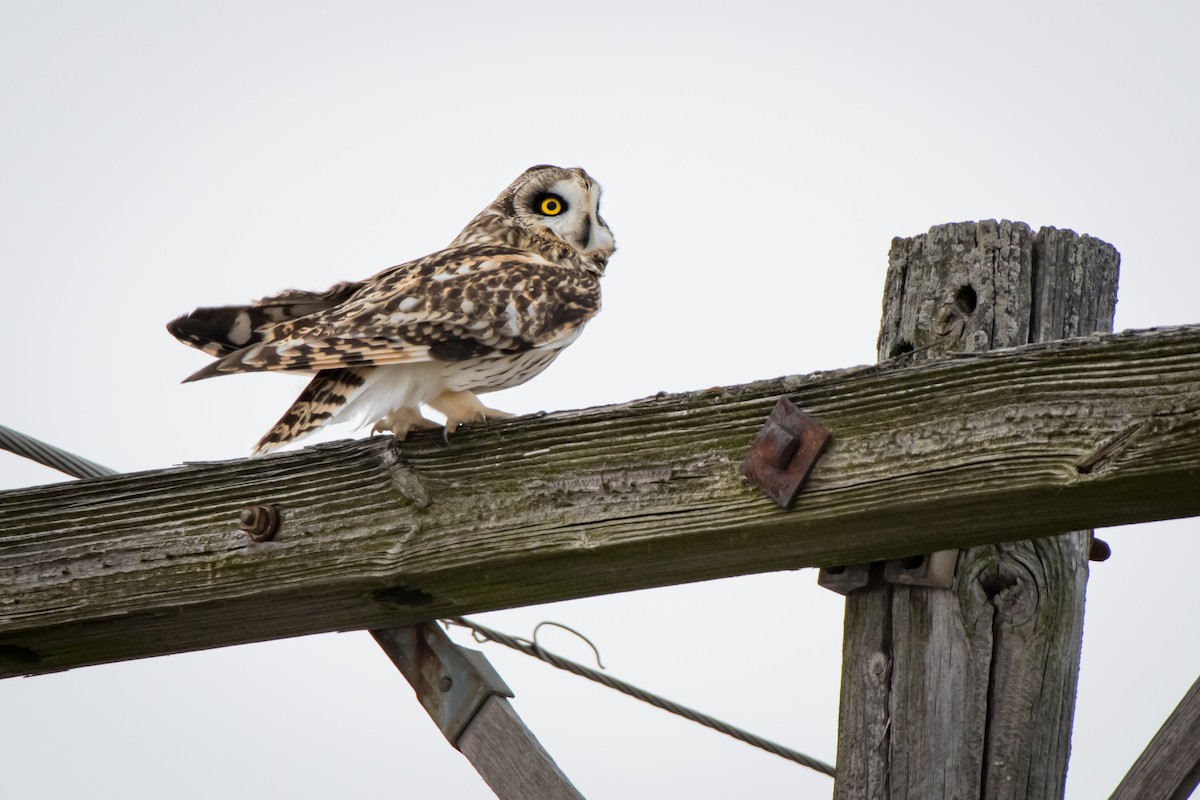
(996,582)
(912,562)
(902,347)
(966,299)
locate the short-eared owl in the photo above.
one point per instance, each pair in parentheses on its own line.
(490,311)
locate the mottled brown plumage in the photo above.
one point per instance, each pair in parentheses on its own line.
(488,312)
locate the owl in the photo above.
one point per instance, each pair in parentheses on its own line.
(489,312)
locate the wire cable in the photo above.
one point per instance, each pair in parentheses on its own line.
(532,649)
(51,456)
(79,467)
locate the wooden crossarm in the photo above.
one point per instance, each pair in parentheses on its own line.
(1005,445)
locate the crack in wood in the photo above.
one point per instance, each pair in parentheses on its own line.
(406,479)
(1108,451)
(617,481)
(983,678)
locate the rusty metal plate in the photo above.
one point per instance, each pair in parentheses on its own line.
(784,452)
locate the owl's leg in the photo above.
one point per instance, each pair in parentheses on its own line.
(460,407)
(402,421)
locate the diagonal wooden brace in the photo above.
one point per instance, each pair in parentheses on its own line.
(467,699)
(451,682)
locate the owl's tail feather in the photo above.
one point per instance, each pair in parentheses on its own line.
(320,401)
(221,330)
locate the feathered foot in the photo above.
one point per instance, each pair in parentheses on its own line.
(460,407)
(403,421)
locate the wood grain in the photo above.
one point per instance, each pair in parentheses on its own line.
(510,759)
(979,689)
(1169,768)
(950,453)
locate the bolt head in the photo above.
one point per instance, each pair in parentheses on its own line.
(260,522)
(777,445)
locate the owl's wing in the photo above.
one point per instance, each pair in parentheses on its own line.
(457,304)
(221,330)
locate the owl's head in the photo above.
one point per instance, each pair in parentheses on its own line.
(549,209)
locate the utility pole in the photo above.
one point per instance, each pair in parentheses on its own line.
(969,692)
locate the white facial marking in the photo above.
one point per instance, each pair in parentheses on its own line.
(580,218)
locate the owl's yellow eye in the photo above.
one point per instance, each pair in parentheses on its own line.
(551,205)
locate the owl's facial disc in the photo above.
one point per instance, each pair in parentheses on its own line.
(569,209)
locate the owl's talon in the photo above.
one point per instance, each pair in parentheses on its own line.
(453,423)
(402,422)
(463,407)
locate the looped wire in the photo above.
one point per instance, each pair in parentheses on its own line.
(483,634)
(538,646)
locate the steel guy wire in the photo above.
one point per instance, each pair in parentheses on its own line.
(533,649)
(50,456)
(79,467)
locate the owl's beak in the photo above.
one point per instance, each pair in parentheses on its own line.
(585,234)
(599,238)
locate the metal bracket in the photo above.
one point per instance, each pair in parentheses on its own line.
(784,452)
(935,570)
(451,682)
(844,580)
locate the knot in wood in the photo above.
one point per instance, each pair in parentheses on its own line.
(951,317)
(259,522)
(1012,590)
(949,322)
(879,666)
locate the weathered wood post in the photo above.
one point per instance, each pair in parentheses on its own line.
(970,692)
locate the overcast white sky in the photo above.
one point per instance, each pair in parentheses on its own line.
(757,160)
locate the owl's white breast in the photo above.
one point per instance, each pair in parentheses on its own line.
(394,386)
(492,374)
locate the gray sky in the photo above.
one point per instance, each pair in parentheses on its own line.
(757,160)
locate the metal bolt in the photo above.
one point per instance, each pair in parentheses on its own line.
(445,682)
(777,445)
(260,522)
(784,452)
